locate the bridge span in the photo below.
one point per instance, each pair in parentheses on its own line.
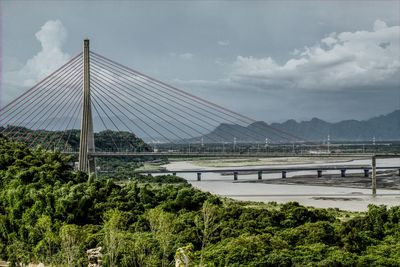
(232,155)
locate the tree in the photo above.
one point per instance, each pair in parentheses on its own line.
(208,224)
(162,227)
(18,253)
(113,236)
(46,247)
(71,236)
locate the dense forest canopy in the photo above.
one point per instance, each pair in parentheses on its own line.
(51,214)
(68,140)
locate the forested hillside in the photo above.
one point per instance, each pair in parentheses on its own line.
(53,215)
(68,140)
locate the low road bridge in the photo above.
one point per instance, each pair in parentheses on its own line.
(260,171)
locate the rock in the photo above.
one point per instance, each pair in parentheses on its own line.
(183,255)
(95,257)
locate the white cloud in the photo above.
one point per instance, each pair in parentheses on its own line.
(51,36)
(221,62)
(340,60)
(223,42)
(379,25)
(186,56)
(183,56)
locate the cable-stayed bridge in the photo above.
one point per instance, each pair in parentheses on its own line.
(91,97)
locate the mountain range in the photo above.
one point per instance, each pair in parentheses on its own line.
(382,128)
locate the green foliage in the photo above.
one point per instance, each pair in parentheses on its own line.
(51,214)
(71,237)
(106,140)
(162,179)
(113,236)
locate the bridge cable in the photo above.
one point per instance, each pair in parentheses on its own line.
(38,98)
(79,111)
(100,82)
(149,103)
(128,119)
(56,104)
(212,105)
(29,91)
(101,119)
(41,106)
(144,114)
(66,107)
(149,100)
(245,133)
(183,93)
(38,110)
(135,115)
(75,108)
(145,108)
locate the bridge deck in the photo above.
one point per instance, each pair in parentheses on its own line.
(228,155)
(289,169)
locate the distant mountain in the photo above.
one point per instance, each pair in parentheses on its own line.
(384,127)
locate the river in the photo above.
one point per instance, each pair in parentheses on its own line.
(351,199)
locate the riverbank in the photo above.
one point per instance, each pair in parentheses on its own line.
(385,180)
(244,162)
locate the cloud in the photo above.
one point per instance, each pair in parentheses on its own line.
(183,56)
(223,42)
(186,56)
(338,61)
(219,61)
(51,36)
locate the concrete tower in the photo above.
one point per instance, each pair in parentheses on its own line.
(86,162)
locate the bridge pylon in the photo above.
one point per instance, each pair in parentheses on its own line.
(86,146)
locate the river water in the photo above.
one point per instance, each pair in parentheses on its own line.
(317,196)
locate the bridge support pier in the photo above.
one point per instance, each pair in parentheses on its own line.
(366,172)
(199,176)
(319,173)
(174,173)
(235,176)
(283,174)
(343,173)
(373,176)
(260,175)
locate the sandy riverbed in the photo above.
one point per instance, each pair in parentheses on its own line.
(345,198)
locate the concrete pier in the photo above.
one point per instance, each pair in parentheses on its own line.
(319,173)
(366,172)
(260,175)
(199,176)
(235,176)
(373,176)
(283,174)
(343,173)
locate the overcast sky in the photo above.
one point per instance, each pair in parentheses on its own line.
(270,60)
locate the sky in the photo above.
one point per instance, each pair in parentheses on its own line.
(269,60)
